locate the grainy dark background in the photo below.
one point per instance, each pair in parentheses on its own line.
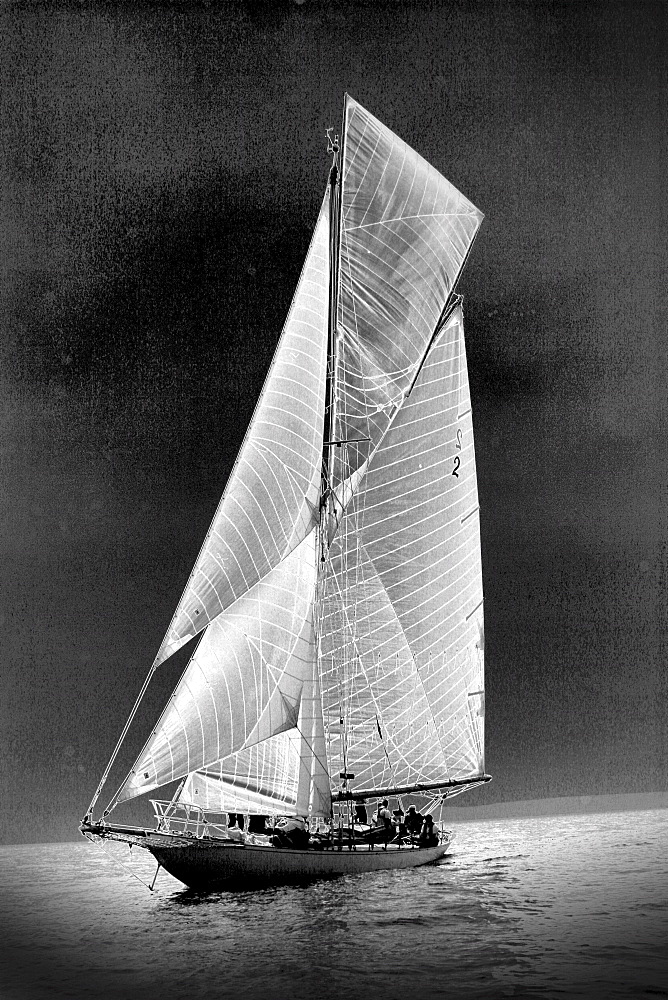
(162,168)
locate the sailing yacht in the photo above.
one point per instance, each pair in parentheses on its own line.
(335,609)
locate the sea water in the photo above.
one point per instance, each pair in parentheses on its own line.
(559,906)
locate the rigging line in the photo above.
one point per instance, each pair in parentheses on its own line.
(117,861)
(452,302)
(460,366)
(458,275)
(387,756)
(471,613)
(127,725)
(112,802)
(343,708)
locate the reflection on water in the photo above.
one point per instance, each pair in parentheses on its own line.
(556,906)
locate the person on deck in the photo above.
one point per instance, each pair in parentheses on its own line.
(428,834)
(291,832)
(384,823)
(413,821)
(361,815)
(384,816)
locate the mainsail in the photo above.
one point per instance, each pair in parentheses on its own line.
(338,593)
(402,616)
(401,657)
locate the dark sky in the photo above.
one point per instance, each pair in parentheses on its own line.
(163,165)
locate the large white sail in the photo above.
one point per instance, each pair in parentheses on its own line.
(365,656)
(286,773)
(404,236)
(260,780)
(402,669)
(271,498)
(244,682)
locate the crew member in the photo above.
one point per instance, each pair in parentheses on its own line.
(413,821)
(291,832)
(384,824)
(428,834)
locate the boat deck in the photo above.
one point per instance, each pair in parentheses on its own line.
(210,862)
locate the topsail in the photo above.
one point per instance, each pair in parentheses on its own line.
(405,234)
(338,594)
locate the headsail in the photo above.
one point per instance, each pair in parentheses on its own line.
(244,682)
(405,234)
(402,626)
(286,773)
(271,498)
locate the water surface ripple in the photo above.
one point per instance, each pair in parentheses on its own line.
(559,906)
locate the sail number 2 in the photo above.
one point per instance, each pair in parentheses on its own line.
(459,448)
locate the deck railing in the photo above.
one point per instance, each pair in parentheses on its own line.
(186,819)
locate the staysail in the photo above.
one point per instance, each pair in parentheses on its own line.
(243,683)
(402,667)
(286,773)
